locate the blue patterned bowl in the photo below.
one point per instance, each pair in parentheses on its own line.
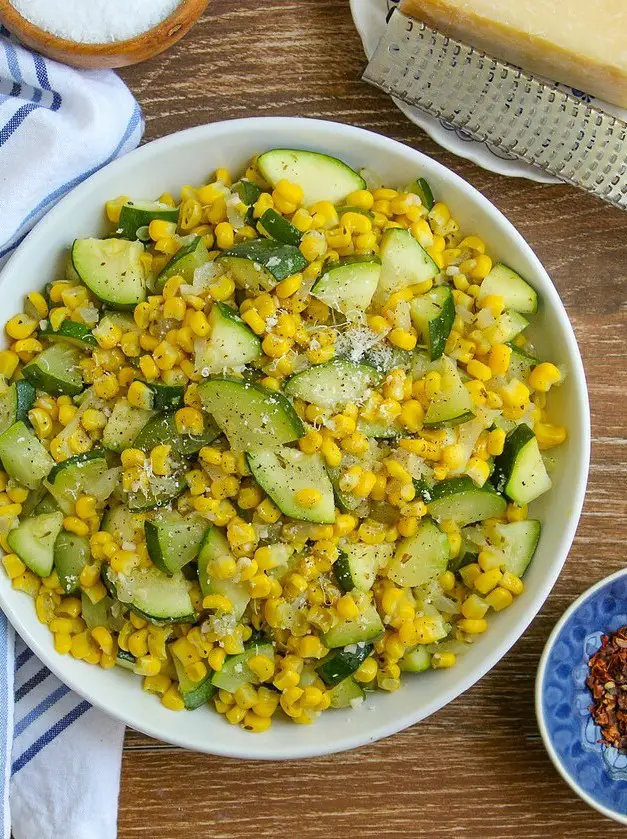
(596,772)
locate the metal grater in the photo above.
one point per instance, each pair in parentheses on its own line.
(503,106)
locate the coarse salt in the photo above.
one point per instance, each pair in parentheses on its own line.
(95,21)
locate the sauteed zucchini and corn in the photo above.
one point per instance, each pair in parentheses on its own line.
(271,446)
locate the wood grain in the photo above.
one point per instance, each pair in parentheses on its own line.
(478,767)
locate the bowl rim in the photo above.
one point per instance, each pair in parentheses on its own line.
(166,29)
(539,695)
(282,125)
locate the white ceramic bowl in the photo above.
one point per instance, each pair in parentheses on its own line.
(187,158)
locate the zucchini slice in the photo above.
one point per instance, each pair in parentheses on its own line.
(346,501)
(349,285)
(333,383)
(161,429)
(521,363)
(357,565)
(33,541)
(195,694)
(15,404)
(517,294)
(56,370)
(259,264)
(123,426)
(517,540)
(422,557)
(81,474)
(251,416)
(421,188)
(433,315)
(453,404)
(463,502)
(214,545)
(283,472)
(366,628)
(404,262)
(231,343)
(415,661)
(137,214)
(153,595)
(112,270)
(340,665)
(71,555)
(23,456)
(235,670)
(320,176)
(279,228)
(506,327)
(166,397)
(122,523)
(76,334)
(184,262)
(173,541)
(157,490)
(347,694)
(520,471)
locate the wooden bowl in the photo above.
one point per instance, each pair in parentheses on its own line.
(112,53)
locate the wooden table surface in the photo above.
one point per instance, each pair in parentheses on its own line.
(478,767)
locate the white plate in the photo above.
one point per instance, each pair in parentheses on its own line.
(186,158)
(369,17)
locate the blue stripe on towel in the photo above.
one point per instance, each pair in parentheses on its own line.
(40,709)
(23,657)
(32,683)
(50,735)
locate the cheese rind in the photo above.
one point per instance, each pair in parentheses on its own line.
(577,42)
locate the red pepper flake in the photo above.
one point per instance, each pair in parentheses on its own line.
(608,684)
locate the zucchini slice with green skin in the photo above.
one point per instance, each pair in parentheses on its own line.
(421,188)
(381,430)
(283,472)
(320,176)
(16,403)
(366,628)
(520,363)
(517,540)
(157,491)
(421,557)
(259,264)
(56,370)
(404,262)
(124,320)
(463,502)
(424,490)
(517,294)
(415,661)
(100,614)
(76,334)
(184,262)
(173,541)
(123,426)
(349,284)
(167,397)
(137,214)
(346,694)
(433,315)
(248,192)
(161,430)
(453,404)
(81,474)
(235,670)
(195,694)
(122,523)
(279,228)
(112,270)
(33,541)
(346,501)
(71,555)
(214,545)
(506,327)
(151,594)
(125,660)
(519,471)
(251,416)
(357,565)
(332,383)
(340,665)
(23,456)
(231,343)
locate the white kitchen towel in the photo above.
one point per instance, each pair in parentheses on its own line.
(59,757)
(57,126)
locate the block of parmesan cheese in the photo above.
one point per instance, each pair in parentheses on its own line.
(582,43)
